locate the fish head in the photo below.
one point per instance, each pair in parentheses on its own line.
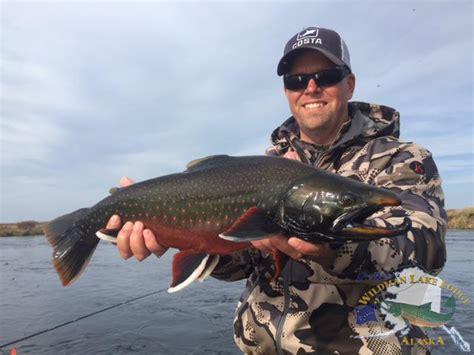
(337,208)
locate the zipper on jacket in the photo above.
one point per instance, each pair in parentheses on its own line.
(286,305)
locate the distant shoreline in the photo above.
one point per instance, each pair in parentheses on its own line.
(462,218)
(21,229)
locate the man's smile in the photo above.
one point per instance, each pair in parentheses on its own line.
(314,105)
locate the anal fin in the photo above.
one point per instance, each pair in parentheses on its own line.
(188,265)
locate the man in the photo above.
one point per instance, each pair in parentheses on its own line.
(311,307)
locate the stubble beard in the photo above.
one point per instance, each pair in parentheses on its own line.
(320,129)
(316,127)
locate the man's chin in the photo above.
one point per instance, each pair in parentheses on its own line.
(314,125)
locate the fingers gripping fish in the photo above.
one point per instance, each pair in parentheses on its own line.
(218,205)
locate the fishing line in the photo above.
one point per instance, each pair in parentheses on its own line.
(82,317)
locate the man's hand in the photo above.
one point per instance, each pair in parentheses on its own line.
(307,248)
(133,239)
(293,247)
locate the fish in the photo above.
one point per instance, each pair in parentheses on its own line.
(218,205)
(421,316)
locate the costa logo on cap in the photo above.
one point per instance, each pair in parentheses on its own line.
(313,32)
(307,36)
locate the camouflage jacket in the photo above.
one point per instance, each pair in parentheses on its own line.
(311,307)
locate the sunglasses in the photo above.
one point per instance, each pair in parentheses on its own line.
(323,78)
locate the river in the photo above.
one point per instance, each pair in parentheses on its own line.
(197,320)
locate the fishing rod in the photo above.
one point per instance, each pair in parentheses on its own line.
(80,318)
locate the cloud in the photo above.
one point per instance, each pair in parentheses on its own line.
(449,145)
(92,91)
(29,140)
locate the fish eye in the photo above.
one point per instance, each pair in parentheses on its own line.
(347,199)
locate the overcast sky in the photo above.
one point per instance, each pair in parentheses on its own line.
(92,91)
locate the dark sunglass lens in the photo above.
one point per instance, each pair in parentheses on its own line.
(329,77)
(296,82)
(324,78)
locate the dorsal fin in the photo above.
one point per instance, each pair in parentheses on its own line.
(426,306)
(114,190)
(206,161)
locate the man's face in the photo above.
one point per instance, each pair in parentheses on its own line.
(320,112)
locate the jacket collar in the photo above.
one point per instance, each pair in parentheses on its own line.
(367,121)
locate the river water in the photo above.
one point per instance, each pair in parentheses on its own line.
(197,320)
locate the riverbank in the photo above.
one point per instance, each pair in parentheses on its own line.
(21,229)
(457,219)
(461,218)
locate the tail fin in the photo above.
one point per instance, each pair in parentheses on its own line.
(73,243)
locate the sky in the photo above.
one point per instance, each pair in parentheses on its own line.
(95,90)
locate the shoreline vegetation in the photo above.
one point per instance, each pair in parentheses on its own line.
(462,218)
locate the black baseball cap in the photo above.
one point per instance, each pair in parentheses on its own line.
(328,42)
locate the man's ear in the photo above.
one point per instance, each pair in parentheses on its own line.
(350,82)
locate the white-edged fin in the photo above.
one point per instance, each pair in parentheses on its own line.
(252,225)
(243,239)
(106,237)
(229,238)
(210,268)
(193,276)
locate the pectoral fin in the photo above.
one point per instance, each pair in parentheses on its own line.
(252,225)
(188,265)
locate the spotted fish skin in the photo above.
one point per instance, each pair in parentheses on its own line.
(237,198)
(207,198)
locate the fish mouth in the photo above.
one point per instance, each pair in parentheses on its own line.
(354,225)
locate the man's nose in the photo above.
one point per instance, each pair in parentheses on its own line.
(312,86)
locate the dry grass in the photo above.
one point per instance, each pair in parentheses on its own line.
(24,228)
(461,219)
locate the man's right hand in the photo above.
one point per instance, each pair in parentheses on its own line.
(133,239)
